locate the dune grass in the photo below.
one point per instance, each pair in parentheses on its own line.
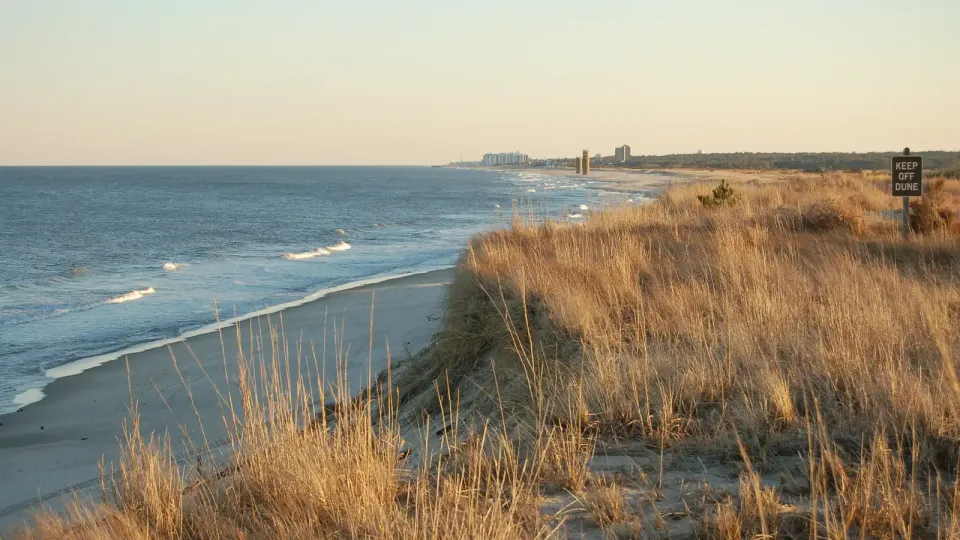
(794,322)
(791,335)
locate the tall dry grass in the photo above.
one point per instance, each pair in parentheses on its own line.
(796,322)
(309,462)
(792,324)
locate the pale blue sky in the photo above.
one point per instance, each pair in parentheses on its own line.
(420,81)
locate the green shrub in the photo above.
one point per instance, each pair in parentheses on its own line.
(722,195)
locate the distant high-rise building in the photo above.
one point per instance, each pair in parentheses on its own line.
(586,162)
(622,154)
(579,165)
(509,158)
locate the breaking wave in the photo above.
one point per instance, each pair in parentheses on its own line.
(131,296)
(172,266)
(306,254)
(339,246)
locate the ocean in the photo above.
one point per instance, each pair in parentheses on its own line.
(96,260)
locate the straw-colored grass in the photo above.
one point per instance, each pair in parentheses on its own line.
(690,326)
(299,471)
(794,324)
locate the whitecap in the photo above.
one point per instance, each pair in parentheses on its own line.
(172,266)
(306,254)
(339,246)
(531,191)
(574,216)
(583,207)
(496,205)
(131,296)
(341,231)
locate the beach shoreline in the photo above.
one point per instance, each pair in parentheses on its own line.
(35,394)
(182,388)
(648,182)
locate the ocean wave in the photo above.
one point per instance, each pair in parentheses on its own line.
(575,216)
(531,191)
(583,207)
(172,266)
(131,296)
(339,246)
(306,254)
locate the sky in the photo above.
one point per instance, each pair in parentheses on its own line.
(317,82)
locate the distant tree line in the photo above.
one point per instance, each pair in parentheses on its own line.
(949,162)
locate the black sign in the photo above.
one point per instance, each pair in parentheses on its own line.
(907,177)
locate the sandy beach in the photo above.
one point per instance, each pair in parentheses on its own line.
(647,182)
(50,449)
(650,182)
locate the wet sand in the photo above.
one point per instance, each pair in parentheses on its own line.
(50,449)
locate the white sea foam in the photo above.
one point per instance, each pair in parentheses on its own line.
(306,254)
(574,216)
(583,207)
(131,296)
(339,246)
(496,205)
(531,191)
(28,396)
(341,231)
(172,266)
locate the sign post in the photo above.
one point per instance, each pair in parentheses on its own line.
(906,180)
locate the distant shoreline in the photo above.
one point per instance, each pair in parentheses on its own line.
(648,182)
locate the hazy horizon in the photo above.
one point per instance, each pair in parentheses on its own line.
(245,83)
(913,151)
